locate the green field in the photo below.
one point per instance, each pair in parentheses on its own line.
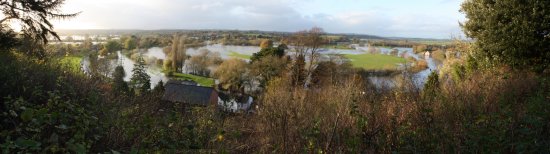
(375,61)
(72,62)
(203,81)
(239,55)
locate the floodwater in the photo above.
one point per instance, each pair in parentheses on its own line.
(225,51)
(155,72)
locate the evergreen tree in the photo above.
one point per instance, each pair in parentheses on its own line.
(34,17)
(268,51)
(431,88)
(141,82)
(159,88)
(119,85)
(509,32)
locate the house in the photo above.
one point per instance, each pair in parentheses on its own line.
(427,54)
(188,93)
(235,103)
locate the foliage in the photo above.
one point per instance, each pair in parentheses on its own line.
(88,44)
(317,107)
(111,46)
(438,55)
(486,113)
(159,88)
(307,43)
(331,73)
(103,52)
(419,65)
(266,44)
(268,51)
(34,16)
(31,46)
(141,127)
(232,74)
(8,38)
(297,71)
(59,115)
(199,64)
(267,68)
(431,88)
(421,48)
(99,67)
(177,52)
(167,65)
(514,32)
(130,43)
(119,85)
(72,62)
(140,80)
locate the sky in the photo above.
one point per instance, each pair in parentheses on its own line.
(388,18)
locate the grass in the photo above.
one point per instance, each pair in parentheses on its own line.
(375,61)
(73,62)
(239,55)
(203,81)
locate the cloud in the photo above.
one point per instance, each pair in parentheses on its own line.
(278,15)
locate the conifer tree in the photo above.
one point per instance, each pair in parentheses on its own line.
(141,82)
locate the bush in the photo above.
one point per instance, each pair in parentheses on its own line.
(489,111)
(57,115)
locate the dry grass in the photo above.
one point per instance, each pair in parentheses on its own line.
(347,118)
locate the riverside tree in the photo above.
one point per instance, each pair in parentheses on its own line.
(177,52)
(266,43)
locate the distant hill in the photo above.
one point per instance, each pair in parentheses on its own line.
(171,31)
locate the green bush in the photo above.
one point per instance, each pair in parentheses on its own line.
(46,109)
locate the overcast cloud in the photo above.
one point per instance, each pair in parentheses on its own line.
(403,18)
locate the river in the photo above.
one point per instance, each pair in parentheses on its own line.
(156,72)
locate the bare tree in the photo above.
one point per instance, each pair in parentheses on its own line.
(308,43)
(199,64)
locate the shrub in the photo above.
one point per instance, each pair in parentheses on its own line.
(60,114)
